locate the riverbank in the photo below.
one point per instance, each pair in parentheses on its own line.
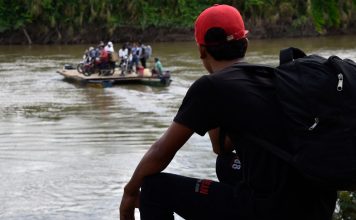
(91,35)
(81,22)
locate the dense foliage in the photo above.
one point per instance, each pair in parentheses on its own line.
(346,209)
(54,19)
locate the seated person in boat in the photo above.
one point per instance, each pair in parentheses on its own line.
(158,68)
(86,56)
(103,60)
(91,54)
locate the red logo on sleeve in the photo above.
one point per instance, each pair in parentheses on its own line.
(202,186)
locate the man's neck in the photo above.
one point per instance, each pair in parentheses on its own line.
(219,65)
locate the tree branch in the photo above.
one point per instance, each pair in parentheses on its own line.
(27,36)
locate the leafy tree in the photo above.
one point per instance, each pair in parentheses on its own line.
(13,15)
(76,17)
(346,209)
(325,14)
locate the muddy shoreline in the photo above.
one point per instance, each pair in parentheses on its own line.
(151,34)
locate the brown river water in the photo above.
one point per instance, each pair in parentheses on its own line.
(66,151)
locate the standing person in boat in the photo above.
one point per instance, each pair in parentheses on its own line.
(113,57)
(148,52)
(135,56)
(129,60)
(143,54)
(241,104)
(110,47)
(123,54)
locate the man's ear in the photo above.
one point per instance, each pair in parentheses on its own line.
(202,52)
(245,45)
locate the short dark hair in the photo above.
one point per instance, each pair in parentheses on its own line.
(220,48)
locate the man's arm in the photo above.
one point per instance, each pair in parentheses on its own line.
(156,159)
(214,135)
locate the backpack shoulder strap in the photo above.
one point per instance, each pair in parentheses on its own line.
(267,71)
(289,54)
(279,152)
(339,64)
(345,68)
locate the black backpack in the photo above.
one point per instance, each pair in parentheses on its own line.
(318,98)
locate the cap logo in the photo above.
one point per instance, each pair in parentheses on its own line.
(230,37)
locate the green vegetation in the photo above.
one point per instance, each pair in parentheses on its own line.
(56,21)
(346,209)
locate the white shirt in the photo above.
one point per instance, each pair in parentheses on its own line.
(109,48)
(123,53)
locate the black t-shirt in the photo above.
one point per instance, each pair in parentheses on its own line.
(243,104)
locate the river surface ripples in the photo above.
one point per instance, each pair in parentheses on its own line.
(66,151)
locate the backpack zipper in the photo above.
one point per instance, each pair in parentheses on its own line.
(316,122)
(340,82)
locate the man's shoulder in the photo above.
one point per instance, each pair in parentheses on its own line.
(244,71)
(232,71)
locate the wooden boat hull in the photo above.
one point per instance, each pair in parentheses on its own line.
(73,76)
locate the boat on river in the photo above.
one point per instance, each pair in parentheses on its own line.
(71,74)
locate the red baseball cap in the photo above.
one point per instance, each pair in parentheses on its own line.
(225,17)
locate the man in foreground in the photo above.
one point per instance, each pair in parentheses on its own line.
(243,105)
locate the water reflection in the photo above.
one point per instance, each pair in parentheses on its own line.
(66,150)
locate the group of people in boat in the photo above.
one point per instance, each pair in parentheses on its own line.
(102,56)
(131,57)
